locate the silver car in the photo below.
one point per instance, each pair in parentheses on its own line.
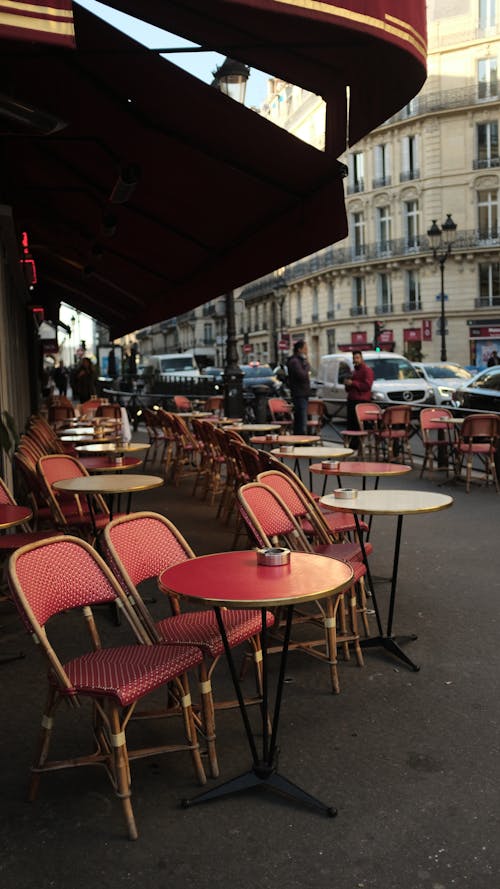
(445,377)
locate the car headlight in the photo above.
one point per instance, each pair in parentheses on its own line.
(445,391)
(377,396)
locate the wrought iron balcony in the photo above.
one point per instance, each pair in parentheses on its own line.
(384,309)
(381,182)
(355,311)
(484,302)
(356,187)
(485,163)
(409,175)
(411,306)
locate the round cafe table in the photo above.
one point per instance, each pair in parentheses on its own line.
(113,448)
(313,452)
(108,486)
(362,468)
(11,515)
(236,580)
(395,503)
(109,463)
(284,439)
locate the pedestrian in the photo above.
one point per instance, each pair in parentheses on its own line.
(85,380)
(300,385)
(61,378)
(359,389)
(493,360)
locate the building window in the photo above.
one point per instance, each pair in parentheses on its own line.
(358,297)
(383,229)
(382,158)
(487,207)
(298,308)
(487,14)
(409,159)
(489,284)
(487,145)
(411,224)
(487,84)
(315,309)
(412,288)
(330,305)
(358,228)
(356,165)
(384,294)
(208,334)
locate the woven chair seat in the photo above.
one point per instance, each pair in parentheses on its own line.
(337,522)
(475,447)
(200,628)
(129,672)
(331,550)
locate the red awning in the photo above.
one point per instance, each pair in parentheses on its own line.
(40,22)
(222,195)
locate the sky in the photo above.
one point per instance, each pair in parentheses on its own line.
(200,64)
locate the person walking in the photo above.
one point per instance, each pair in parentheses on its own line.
(85,380)
(300,386)
(359,389)
(493,359)
(61,378)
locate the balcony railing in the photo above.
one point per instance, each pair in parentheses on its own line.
(411,306)
(330,314)
(332,258)
(485,163)
(356,187)
(429,103)
(381,182)
(409,175)
(484,302)
(315,316)
(384,309)
(355,311)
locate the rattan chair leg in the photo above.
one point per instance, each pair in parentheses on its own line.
(43,742)
(190,730)
(331,608)
(121,770)
(208,714)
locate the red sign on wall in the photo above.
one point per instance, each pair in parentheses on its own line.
(358,337)
(386,336)
(427,329)
(412,335)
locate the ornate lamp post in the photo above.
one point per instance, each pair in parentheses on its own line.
(231,79)
(441,241)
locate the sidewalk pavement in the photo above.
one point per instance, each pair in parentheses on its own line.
(410,760)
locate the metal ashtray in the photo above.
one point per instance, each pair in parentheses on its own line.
(286,449)
(273,556)
(330,464)
(345,493)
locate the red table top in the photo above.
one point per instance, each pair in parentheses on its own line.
(236,580)
(285,439)
(107,464)
(13,515)
(361,467)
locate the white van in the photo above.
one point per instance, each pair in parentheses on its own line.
(395,380)
(175,364)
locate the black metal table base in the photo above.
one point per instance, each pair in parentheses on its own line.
(263,773)
(267,779)
(392,644)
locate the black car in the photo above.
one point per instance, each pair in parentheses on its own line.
(482,393)
(257,376)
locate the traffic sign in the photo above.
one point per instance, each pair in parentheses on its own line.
(283,344)
(438,297)
(247,347)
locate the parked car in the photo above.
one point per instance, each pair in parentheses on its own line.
(259,375)
(482,392)
(213,373)
(445,377)
(396,380)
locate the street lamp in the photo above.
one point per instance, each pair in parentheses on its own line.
(441,241)
(280,292)
(231,79)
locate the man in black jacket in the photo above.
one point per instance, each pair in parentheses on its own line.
(300,386)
